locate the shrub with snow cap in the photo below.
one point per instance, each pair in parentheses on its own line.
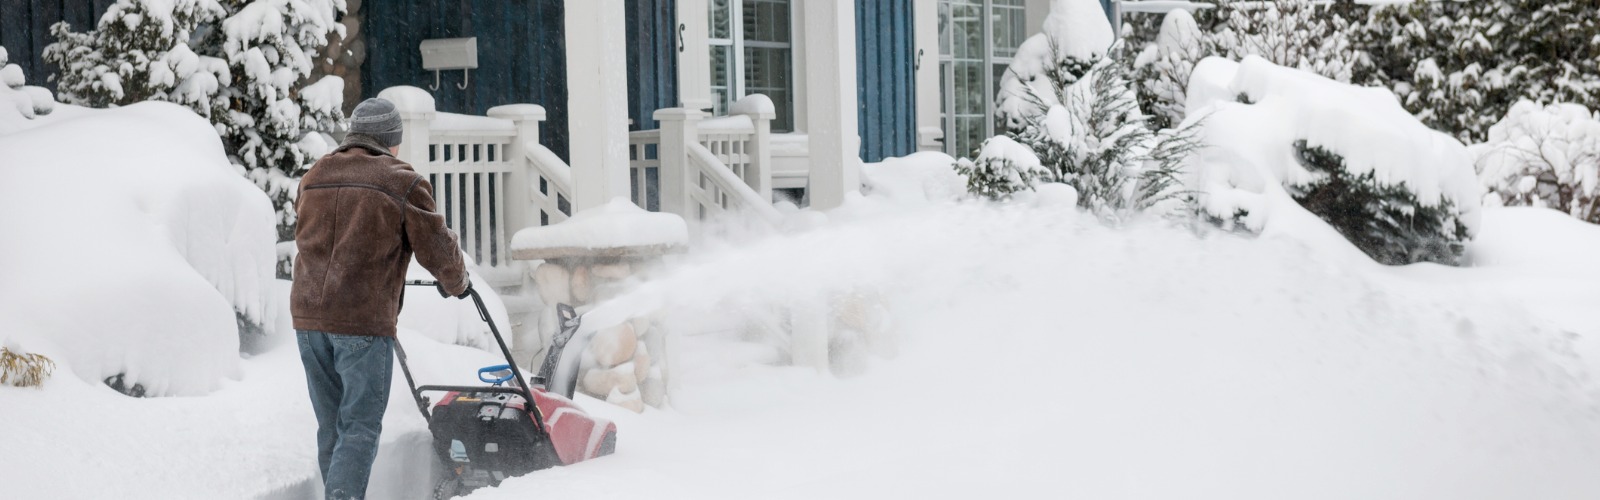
(1544,156)
(28,101)
(1095,139)
(1281,140)
(1075,37)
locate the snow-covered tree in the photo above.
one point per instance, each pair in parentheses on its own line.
(1300,34)
(276,126)
(1075,38)
(1460,66)
(1544,156)
(140,51)
(1094,139)
(244,64)
(1165,66)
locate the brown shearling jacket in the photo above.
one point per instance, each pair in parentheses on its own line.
(362,214)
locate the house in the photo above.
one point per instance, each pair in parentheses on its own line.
(924,71)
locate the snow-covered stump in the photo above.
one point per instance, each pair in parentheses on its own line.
(589,259)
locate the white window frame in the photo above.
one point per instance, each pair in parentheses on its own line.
(947,76)
(736,45)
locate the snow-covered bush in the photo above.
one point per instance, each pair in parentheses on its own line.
(140,52)
(243,64)
(1460,66)
(1165,65)
(19,101)
(1094,138)
(1293,33)
(23,369)
(1073,40)
(1003,167)
(1280,140)
(1544,156)
(132,248)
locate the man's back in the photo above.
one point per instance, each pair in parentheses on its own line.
(362,214)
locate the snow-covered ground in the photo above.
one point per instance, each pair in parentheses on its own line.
(1044,356)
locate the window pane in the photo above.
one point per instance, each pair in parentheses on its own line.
(766,21)
(721,14)
(1009,30)
(766,71)
(721,78)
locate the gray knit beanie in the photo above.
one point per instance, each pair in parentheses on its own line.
(376,117)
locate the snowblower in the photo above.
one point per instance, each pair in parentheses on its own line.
(485,434)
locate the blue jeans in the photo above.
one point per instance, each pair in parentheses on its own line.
(348,377)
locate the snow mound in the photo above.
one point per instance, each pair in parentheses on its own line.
(131,245)
(1250,153)
(451,320)
(925,177)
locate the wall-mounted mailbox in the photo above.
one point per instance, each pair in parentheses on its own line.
(449,54)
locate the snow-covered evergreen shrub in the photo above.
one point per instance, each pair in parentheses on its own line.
(27,100)
(1387,221)
(1074,38)
(1094,139)
(243,64)
(1165,65)
(1282,144)
(1003,167)
(1544,156)
(1294,33)
(1460,66)
(140,51)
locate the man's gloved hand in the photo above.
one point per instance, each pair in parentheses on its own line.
(445,293)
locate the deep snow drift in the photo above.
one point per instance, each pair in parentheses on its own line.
(1042,355)
(130,245)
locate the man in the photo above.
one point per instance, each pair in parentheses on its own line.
(362,215)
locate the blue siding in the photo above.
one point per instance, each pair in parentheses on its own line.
(25,31)
(652,59)
(885,83)
(521,55)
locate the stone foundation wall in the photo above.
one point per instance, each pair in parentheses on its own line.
(624,364)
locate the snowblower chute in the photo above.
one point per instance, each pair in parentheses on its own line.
(485,434)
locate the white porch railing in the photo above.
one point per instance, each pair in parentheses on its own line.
(490,175)
(707,167)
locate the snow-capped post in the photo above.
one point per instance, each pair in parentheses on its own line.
(761,112)
(680,127)
(597,90)
(830,45)
(526,117)
(416,114)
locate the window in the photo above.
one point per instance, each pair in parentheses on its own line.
(977,39)
(752,53)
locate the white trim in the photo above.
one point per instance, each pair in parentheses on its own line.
(694,55)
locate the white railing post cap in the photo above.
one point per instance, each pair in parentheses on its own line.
(518,112)
(755,105)
(410,101)
(678,114)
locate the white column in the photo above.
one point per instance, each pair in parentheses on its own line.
(694,54)
(597,104)
(925,25)
(830,45)
(761,112)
